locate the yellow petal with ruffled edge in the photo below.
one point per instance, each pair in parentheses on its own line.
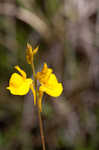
(18,85)
(52,87)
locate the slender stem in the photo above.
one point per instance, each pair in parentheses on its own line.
(39,113)
(33,70)
(35,81)
(41,129)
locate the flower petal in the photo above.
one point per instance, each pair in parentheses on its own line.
(18,85)
(20,71)
(44,75)
(52,87)
(55,92)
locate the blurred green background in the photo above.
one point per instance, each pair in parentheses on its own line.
(67,32)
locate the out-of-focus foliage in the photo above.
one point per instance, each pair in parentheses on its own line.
(68,34)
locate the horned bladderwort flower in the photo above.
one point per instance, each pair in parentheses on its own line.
(19,84)
(49,84)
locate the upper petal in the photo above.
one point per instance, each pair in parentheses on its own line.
(20,71)
(44,75)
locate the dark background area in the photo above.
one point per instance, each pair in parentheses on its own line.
(67,32)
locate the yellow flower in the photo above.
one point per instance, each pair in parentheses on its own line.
(19,84)
(30,53)
(49,83)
